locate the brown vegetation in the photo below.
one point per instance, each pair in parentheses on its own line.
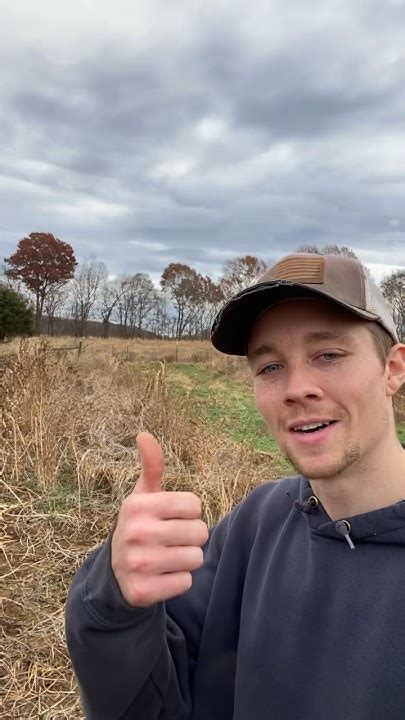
(67,459)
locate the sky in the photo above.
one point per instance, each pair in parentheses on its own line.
(144,133)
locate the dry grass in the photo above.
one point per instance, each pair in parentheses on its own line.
(67,459)
(140,351)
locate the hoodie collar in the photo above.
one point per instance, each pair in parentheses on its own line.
(385,525)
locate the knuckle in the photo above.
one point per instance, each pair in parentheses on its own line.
(204,532)
(130,506)
(139,533)
(188,581)
(141,594)
(191,503)
(197,557)
(141,563)
(196,503)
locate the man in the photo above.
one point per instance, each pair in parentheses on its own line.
(294,607)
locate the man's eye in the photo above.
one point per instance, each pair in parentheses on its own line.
(330,356)
(270,369)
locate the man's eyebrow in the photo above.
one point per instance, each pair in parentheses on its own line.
(329,335)
(311,337)
(261,350)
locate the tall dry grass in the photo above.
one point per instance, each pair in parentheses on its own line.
(67,459)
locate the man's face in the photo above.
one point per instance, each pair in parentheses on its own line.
(310,362)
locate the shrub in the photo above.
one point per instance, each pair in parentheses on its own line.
(16,317)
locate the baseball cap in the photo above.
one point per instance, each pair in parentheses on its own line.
(339,278)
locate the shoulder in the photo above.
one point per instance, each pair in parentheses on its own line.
(275,491)
(262,513)
(268,501)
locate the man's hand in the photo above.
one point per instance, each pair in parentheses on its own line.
(159,535)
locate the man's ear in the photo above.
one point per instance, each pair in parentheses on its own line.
(395,369)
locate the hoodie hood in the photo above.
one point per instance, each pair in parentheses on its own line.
(385,525)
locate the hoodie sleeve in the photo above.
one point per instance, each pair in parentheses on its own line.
(136,662)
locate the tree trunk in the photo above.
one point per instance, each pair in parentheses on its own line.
(37,313)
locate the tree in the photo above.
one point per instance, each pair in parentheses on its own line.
(328,250)
(136,303)
(309,249)
(54,302)
(239,273)
(16,317)
(393,289)
(40,262)
(212,297)
(110,294)
(183,285)
(85,287)
(159,322)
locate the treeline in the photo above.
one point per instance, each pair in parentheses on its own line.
(82,299)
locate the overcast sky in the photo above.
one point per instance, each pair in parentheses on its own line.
(146,132)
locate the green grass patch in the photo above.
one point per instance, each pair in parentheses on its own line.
(227,405)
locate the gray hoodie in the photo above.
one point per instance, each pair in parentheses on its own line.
(292,616)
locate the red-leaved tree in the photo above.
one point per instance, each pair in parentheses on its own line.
(41,262)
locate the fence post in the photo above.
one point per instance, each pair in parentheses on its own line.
(79,349)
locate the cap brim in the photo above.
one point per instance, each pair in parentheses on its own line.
(231,328)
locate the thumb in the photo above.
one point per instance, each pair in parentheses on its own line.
(152,461)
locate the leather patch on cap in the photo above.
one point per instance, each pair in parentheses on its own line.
(305,270)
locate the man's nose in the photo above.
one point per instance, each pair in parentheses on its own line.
(301,384)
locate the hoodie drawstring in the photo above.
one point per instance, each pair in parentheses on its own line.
(343,527)
(308,505)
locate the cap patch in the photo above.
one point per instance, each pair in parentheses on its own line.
(306,270)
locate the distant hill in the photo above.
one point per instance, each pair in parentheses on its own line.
(94,328)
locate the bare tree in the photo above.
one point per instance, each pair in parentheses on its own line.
(55,301)
(239,273)
(309,249)
(13,283)
(212,297)
(328,250)
(111,292)
(135,304)
(159,319)
(183,286)
(393,289)
(84,289)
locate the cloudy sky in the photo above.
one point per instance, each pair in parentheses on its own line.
(145,131)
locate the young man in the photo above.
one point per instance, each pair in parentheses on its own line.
(294,608)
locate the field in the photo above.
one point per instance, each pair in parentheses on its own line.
(68,458)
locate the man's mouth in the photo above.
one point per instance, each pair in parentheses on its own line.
(312,433)
(313,427)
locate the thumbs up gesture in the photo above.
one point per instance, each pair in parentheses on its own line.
(159,535)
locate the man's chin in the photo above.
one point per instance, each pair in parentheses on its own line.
(323,468)
(314,471)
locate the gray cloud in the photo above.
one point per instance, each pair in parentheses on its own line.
(151,137)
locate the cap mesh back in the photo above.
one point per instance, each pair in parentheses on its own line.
(376,302)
